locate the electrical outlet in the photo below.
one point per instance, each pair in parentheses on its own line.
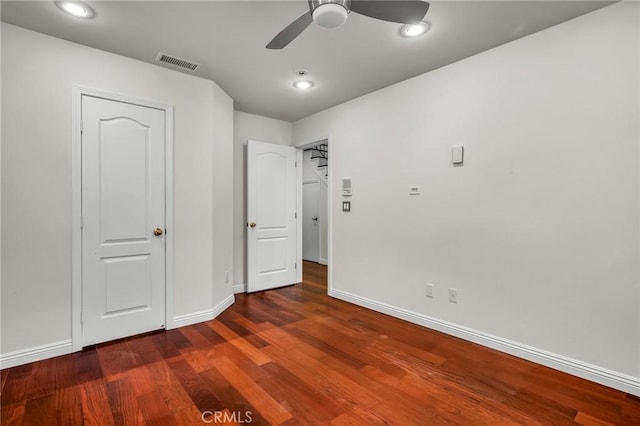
(429,290)
(453,295)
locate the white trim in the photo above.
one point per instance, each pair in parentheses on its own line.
(168,216)
(330,216)
(324,262)
(299,183)
(36,353)
(614,379)
(76,203)
(201,316)
(239,288)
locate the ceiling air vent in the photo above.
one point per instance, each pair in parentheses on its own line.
(176,62)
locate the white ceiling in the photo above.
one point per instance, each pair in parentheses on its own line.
(228,39)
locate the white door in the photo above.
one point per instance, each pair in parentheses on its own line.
(271,216)
(123,213)
(310,221)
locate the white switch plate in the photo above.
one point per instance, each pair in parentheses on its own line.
(457,154)
(453,295)
(347,190)
(414,190)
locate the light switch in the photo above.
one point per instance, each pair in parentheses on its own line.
(414,190)
(346,187)
(346,206)
(457,154)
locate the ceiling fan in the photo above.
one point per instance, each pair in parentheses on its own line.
(333,13)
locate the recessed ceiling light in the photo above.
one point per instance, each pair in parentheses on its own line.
(416,30)
(303,84)
(76,8)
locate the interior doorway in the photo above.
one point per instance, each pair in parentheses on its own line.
(315,202)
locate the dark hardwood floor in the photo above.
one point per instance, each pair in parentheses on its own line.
(296,356)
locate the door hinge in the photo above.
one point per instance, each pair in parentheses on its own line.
(295,266)
(81,221)
(81,126)
(295,215)
(81,317)
(296,164)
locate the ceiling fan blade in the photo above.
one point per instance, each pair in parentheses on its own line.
(400,11)
(292,31)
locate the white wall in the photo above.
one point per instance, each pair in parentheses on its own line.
(539,230)
(38,72)
(248,127)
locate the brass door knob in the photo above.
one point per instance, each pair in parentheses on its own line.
(252,224)
(157,232)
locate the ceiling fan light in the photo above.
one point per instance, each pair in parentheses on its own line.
(415,30)
(76,8)
(330,15)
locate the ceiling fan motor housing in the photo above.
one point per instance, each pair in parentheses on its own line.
(329,13)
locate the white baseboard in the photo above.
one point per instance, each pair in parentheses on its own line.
(201,316)
(614,379)
(239,288)
(324,262)
(64,347)
(220,307)
(36,353)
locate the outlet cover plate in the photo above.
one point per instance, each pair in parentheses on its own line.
(429,290)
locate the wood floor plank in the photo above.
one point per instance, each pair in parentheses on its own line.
(297,397)
(96,408)
(12,414)
(143,349)
(15,389)
(42,380)
(331,383)
(587,420)
(165,346)
(115,358)
(154,410)
(199,392)
(188,416)
(38,410)
(212,337)
(123,402)
(3,378)
(253,353)
(295,356)
(264,403)
(235,404)
(70,416)
(87,365)
(239,358)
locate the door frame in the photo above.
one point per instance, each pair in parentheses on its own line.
(300,146)
(76,203)
(317,181)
